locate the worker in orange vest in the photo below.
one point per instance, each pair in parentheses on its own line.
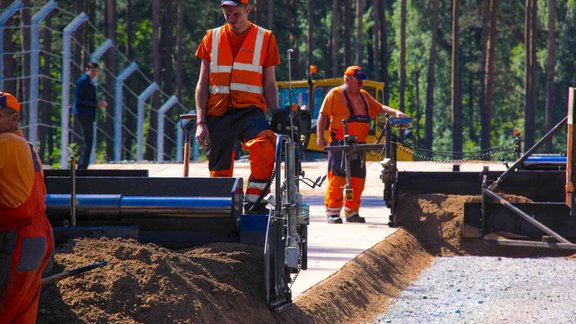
(348,102)
(237,83)
(26,241)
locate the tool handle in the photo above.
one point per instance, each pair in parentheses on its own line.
(73,272)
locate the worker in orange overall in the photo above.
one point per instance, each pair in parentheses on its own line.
(237,83)
(26,241)
(348,102)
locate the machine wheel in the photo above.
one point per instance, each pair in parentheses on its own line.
(276,275)
(269,262)
(393,206)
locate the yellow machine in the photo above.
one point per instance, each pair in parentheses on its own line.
(300,95)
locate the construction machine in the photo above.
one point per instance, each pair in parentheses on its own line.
(186,211)
(547,218)
(181,212)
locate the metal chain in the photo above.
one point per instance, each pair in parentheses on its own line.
(475,156)
(299,268)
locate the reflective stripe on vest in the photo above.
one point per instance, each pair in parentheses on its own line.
(237,81)
(236,66)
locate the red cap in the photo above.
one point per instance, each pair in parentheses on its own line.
(9,101)
(356,72)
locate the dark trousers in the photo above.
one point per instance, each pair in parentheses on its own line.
(88,132)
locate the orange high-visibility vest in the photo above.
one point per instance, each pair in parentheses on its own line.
(236,81)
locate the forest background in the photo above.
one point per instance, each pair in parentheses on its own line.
(469,72)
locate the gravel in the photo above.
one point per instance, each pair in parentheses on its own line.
(470,289)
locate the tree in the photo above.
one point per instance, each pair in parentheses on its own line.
(157,61)
(359,33)
(347,28)
(488,59)
(310,39)
(111,64)
(530,68)
(45,134)
(429,114)
(334,44)
(25,82)
(180,50)
(376,40)
(257,8)
(551,61)
(129,118)
(271,13)
(383,51)
(456,87)
(8,62)
(167,49)
(402,88)
(80,57)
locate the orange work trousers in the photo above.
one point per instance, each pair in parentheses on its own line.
(334,199)
(30,249)
(248,125)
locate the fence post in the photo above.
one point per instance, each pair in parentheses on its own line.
(160,128)
(95,57)
(35,69)
(4,16)
(118,108)
(141,99)
(72,26)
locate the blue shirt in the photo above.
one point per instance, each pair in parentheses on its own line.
(85,99)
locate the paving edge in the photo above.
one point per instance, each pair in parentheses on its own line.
(363,288)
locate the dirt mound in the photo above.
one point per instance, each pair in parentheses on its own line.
(438,222)
(223,283)
(218,283)
(151,284)
(366,284)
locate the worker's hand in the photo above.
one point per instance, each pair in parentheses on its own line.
(203,135)
(321,142)
(102,104)
(400,114)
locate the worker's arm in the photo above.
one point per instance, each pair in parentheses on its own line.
(202,133)
(391,111)
(16,171)
(270,89)
(320,126)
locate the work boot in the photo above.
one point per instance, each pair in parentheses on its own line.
(255,209)
(355,218)
(334,219)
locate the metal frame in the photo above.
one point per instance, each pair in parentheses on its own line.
(488,194)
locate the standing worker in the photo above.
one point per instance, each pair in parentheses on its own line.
(26,241)
(348,102)
(85,104)
(237,83)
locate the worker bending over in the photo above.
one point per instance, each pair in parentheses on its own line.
(237,83)
(348,102)
(26,241)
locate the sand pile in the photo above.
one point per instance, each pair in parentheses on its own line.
(438,221)
(223,283)
(151,284)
